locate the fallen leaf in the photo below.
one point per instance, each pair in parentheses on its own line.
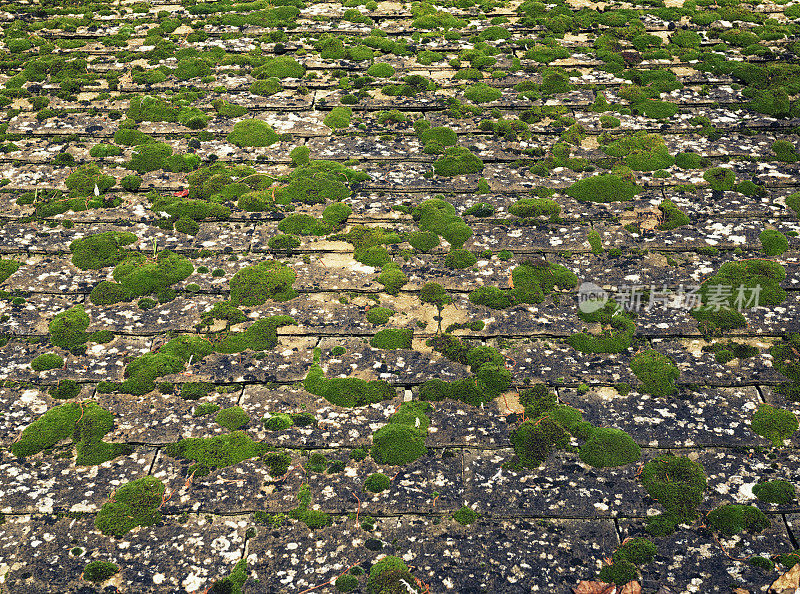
(740,591)
(788,583)
(181,193)
(631,588)
(585,587)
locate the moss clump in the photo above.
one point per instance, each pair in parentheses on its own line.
(150,157)
(609,447)
(619,572)
(136,503)
(7,268)
(457,160)
(210,453)
(392,278)
(84,180)
(678,484)
(339,117)
(439,216)
(280,67)
(466,516)
(227,109)
(641,151)
(207,408)
(303,224)
(776,491)
(336,214)
(423,241)
(86,424)
(773,242)
(690,161)
(100,250)
(99,571)
(379,315)
(459,259)
(785,151)
(656,371)
(535,439)
(380,70)
(402,439)
(732,519)
(534,279)
(637,550)
(720,179)
(534,207)
(232,418)
(673,217)
(278,422)
(607,187)
(347,391)
(314,519)
(233,583)
(266,87)
(131,137)
(377,482)
(254,285)
(793,202)
(47,361)
(346,583)
(253,133)
(391,575)
(261,335)
(392,338)
(720,312)
(65,389)
(68,329)
(139,275)
(773,423)
(142,372)
(491,297)
(482,93)
(319,182)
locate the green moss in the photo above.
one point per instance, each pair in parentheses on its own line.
(280,67)
(83,181)
(249,133)
(534,279)
(538,400)
(775,491)
(636,550)
(7,268)
(380,70)
(346,391)
(346,583)
(379,315)
(375,256)
(793,202)
(100,250)
(266,87)
(789,560)
(690,161)
(99,571)
(773,242)
(142,372)
(150,157)
(377,482)
(139,275)
(435,294)
(303,224)
(228,110)
(392,278)
(86,424)
(339,117)
(392,338)
(656,371)
(773,423)
(423,241)
(136,503)
(677,483)
(283,243)
(259,336)
(47,361)
(319,182)
(397,444)
(619,572)
(232,418)
(336,214)
(390,575)
(65,389)
(785,151)
(207,408)
(641,151)
(457,160)
(278,422)
(535,439)
(534,207)
(256,284)
(732,519)
(68,329)
(609,447)
(233,583)
(606,187)
(720,312)
(491,296)
(210,453)
(720,179)
(672,216)
(465,516)
(459,259)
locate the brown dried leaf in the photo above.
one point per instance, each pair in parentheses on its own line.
(631,588)
(788,583)
(586,587)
